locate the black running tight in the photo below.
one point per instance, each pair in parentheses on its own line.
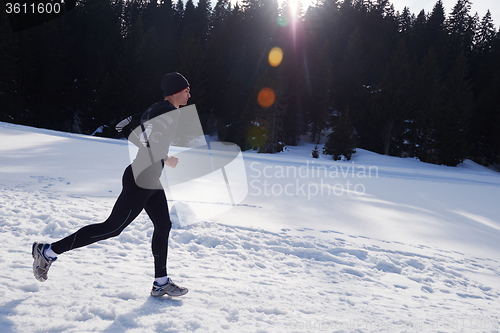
(128,206)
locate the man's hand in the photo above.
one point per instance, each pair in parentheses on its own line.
(171,161)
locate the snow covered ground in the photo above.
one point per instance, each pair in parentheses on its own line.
(377,244)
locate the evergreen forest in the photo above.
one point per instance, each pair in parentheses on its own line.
(266,73)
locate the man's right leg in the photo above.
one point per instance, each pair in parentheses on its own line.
(128,206)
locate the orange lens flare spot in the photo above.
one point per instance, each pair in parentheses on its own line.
(275,56)
(266,97)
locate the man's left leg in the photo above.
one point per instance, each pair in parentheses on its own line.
(157,210)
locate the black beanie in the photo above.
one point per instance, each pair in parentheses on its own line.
(172,83)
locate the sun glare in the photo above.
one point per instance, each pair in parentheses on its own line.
(294,7)
(299,5)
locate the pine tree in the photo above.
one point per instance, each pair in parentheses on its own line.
(461,28)
(188,22)
(485,121)
(354,69)
(178,17)
(315,152)
(435,28)
(418,42)
(203,14)
(406,20)
(270,119)
(485,35)
(165,23)
(428,104)
(451,125)
(193,65)
(232,120)
(342,141)
(437,17)
(220,15)
(218,55)
(394,99)
(321,97)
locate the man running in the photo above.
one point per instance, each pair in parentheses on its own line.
(141,190)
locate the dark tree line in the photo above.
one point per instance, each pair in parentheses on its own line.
(354,72)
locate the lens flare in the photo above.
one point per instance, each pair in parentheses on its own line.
(283,20)
(266,97)
(275,56)
(257,136)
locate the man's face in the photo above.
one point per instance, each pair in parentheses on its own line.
(183,96)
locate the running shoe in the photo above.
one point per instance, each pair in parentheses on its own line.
(169,288)
(41,262)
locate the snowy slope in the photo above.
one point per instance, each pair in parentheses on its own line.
(378,244)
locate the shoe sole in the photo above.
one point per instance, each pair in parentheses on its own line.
(35,245)
(166,293)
